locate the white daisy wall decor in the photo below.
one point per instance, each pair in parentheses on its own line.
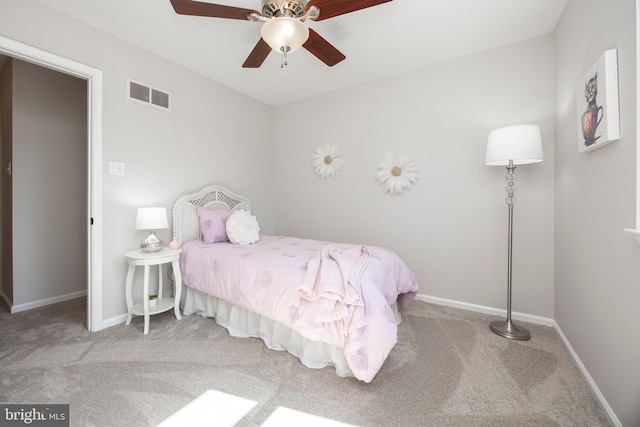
(327,160)
(396,173)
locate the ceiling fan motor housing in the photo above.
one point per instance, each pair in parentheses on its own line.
(277,8)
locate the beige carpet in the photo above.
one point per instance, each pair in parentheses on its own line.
(448,369)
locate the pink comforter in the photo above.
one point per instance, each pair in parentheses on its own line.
(337,293)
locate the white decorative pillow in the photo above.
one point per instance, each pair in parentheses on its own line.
(243,228)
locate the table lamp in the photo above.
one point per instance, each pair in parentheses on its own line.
(151,219)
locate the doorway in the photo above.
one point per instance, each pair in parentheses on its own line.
(94,81)
(44,185)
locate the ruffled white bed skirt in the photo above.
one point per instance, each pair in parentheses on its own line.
(241,322)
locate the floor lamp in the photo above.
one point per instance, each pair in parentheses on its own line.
(510,146)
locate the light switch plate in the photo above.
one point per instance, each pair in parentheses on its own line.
(116,168)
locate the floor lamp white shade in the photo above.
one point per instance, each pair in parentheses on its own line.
(510,146)
(521,144)
(151,219)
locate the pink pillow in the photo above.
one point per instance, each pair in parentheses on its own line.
(213,223)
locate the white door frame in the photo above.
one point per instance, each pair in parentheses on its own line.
(93,76)
(637,119)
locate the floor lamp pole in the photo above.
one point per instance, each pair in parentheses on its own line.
(506,328)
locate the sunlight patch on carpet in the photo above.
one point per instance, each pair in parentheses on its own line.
(225,409)
(285,417)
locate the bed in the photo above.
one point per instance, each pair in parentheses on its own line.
(328,304)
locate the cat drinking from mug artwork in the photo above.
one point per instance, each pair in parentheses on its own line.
(592,116)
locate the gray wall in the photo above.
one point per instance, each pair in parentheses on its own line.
(212,135)
(49,172)
(598,264)
(451,227)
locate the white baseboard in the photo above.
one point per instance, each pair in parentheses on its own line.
(612,416)
(538,320)
(41,303)
(117,320)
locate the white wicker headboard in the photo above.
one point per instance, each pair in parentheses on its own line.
(186,224)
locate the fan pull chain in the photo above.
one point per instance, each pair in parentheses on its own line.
(284,50)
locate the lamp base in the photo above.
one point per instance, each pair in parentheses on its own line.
(507,329)
(152,243)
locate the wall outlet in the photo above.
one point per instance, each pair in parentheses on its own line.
(116,168)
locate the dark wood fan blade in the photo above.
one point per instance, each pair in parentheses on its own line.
(195,8)
(322,49)
(257,55)
(331,8)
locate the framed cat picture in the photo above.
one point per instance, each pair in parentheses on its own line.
(597,104)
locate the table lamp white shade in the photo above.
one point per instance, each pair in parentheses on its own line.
(151,219)
(520,143)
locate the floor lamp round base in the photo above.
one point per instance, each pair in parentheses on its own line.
(509,330)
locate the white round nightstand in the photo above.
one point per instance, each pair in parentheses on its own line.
(137,258)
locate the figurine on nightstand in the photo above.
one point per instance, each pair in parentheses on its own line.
(175,244)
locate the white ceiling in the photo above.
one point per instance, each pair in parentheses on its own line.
(380,41)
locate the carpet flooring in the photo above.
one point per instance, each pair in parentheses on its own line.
(447,369)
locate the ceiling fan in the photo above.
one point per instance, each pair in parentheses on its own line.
(283,28)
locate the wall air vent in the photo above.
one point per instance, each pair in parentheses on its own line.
(140,92)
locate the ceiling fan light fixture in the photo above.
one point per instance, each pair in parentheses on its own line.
(284,34)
